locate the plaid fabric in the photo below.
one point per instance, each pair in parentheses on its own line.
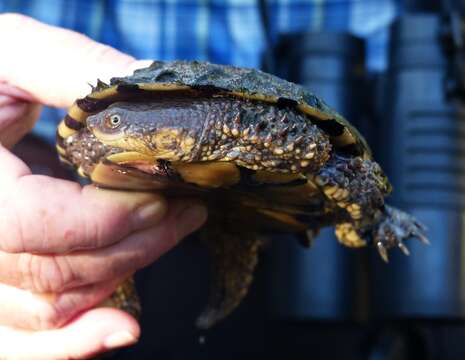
(221,31)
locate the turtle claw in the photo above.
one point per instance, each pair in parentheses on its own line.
(392,228)
(403,248)
(420,225)
(382,251)
(423,238)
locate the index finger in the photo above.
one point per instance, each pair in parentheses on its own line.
(57,64)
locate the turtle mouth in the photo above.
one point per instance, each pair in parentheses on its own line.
(113,167)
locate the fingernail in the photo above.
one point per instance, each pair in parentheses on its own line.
(190,219)
(119,339)
(147,215)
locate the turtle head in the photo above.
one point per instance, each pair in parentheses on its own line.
(151,129)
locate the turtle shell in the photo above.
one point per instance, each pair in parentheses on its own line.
(240,82)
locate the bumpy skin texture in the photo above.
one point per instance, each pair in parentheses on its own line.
(250,82)
(264,154)
(254,135)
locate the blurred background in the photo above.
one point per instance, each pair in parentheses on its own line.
(396,69)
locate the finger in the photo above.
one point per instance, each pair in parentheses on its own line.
(92,332)
(17,118)
(41,214)
(52,273)
(23,309)
(64,62)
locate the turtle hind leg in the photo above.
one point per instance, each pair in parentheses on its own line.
(234,258)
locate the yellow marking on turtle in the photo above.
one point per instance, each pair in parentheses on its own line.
(130,156)
(346,138)
(309,110)
(330,190)
(162,87)
(254,139)
(81,172)
(309,155)
(65,131)
(167,139)
(353,207)
(103,94)
(347,236)
(354,211)
(259,97)
(167,143)
(120,140)
(77,113)
(340,194)
(213,175)
(113,90)
(60,150)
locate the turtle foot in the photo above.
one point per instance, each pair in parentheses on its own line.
(393,227)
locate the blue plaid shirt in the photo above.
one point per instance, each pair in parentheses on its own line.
(221,31)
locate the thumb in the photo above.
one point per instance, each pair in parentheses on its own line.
(92,332)
(89,217)
(63,62)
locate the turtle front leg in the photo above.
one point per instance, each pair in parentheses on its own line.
(358,187)
(389,228)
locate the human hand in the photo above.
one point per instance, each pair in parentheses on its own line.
(63,248)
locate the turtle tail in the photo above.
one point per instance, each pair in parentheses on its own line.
(234,258)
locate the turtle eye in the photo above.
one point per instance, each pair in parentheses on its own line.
(113,121)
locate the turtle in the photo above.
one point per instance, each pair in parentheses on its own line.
(265,155)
